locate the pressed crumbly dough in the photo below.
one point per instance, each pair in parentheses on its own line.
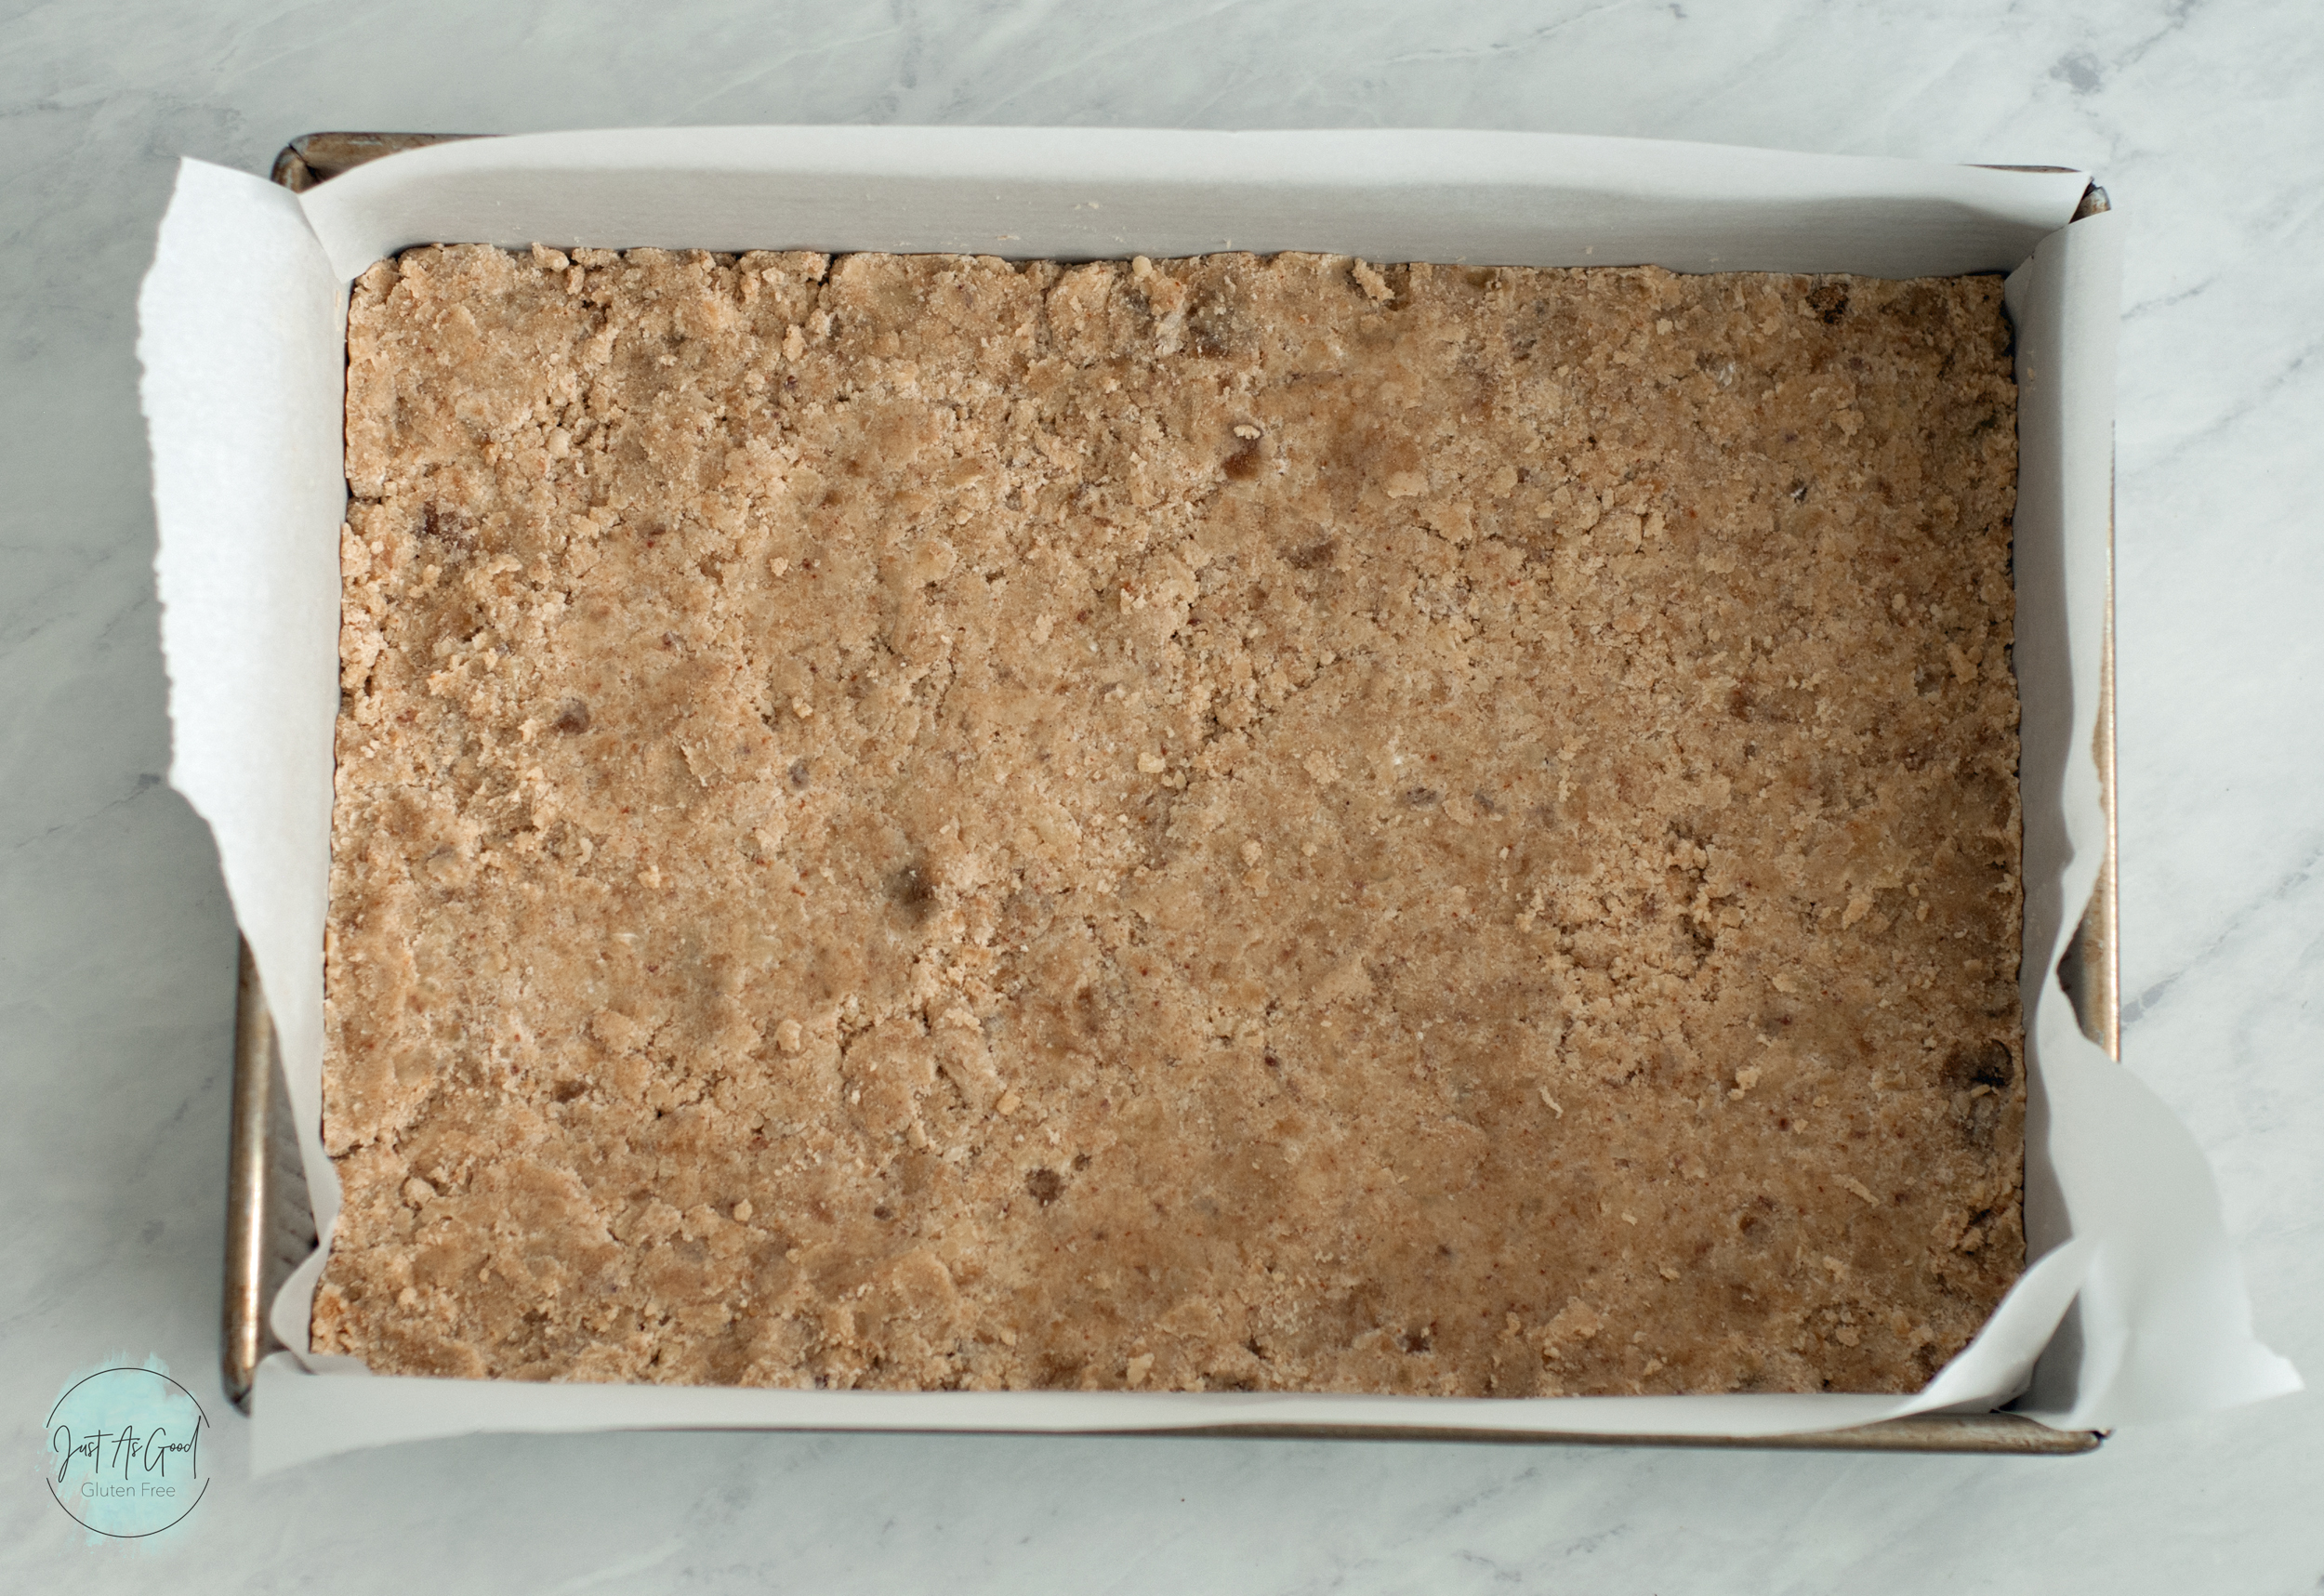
(1245,824)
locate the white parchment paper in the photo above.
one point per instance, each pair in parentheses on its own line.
(240,333)
(243,319)
(1508,199)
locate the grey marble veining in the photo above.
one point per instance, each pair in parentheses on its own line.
(116,945)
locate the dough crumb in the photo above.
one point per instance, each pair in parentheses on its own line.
(1263,824)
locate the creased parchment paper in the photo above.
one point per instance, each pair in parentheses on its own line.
(242,345)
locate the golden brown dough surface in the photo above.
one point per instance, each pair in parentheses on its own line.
(1259,823)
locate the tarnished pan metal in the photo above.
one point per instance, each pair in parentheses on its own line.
(269,1223)
(271,1227)
(321,156)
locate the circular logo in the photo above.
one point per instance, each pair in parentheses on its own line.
(125,1452)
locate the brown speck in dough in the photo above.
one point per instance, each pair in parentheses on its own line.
(1229,824)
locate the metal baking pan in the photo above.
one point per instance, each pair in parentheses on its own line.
(271,1225)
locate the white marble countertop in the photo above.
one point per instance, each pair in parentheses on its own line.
(116,948)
